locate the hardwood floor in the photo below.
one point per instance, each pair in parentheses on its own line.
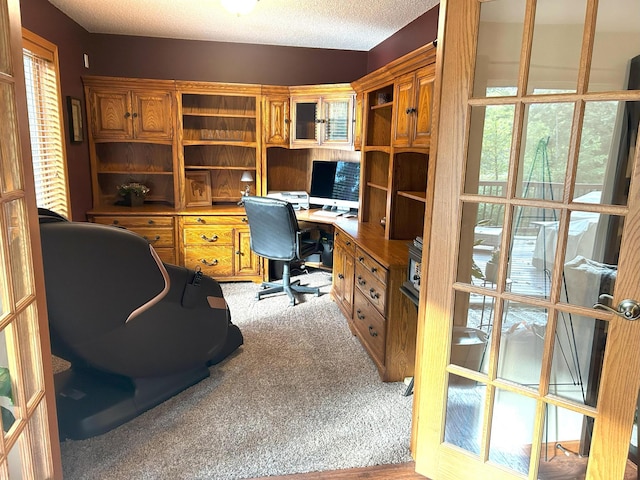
(402,471)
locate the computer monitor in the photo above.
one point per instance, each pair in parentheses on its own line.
(335,184)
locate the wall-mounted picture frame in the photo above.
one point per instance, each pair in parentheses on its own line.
(76,132)
(198,188)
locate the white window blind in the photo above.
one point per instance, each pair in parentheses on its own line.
(45,127)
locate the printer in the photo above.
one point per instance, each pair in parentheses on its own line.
(299,199)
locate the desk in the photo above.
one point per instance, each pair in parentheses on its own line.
(308,216)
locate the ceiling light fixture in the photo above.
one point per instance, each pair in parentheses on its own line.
(239,7)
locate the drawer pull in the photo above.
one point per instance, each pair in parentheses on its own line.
(372,332)
(373,294)
(209,264)
(244,220)
(361,259)
(361,282)
(348,243)
(115,222)
(374,269)
(360,314)
(200,220)
(238,252)
(341,276)
(151,222)
(207,239)
(155,239)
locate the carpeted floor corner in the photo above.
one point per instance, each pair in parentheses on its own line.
(301,395)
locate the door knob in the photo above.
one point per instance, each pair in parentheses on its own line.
(628,309)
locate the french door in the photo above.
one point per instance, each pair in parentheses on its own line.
(29,447)
(529,343)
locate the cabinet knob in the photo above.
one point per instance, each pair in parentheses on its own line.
(200,220)
(116,222)
(244,220)
(372,332)
(238,252)
(151,222)
(209,264)
(207,239)
(348,244)
(155,239)
(361,259)
(127,115)
(408,111)
(374,269)
(341,276)
(135,115)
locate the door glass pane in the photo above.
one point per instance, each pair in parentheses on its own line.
(577,358)
(480,237)
(590,268)
(489,148)
(336,116)
(306,126)
(557,41)
(522,343)
(8,378)
(40,451)
(561,447)
(5,43)
(10,166)
(532,250)
(608,141)
(499,43)
(616,41)
(544,151)
(19,248)
(512,430)
(15,459)
(465,411)
(30,355)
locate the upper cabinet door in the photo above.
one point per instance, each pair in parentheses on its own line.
(152,115)
(111,114)
(412,115)
(276,120)
(337,121)
(422,116)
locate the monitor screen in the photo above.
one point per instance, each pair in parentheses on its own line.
(335,184)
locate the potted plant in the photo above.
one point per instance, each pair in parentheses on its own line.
(6,392)
(133,193)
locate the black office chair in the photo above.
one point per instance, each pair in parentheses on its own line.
(275,235)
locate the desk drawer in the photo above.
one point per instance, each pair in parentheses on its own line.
(214,220)
(135,221)
(368,263)
(370,325)
(158,237)
(345,241)
(372,288)
(205,235)
(215,261)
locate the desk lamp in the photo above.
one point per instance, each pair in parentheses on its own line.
(246,178)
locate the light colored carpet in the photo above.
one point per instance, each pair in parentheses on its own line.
(301,395)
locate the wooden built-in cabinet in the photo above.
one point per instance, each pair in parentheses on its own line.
(367,277)
(220,135)
(219,245)
(131,138)
(396,135)
(322,115)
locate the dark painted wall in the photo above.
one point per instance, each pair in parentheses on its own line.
(72,40)
(421,31)
(145,57)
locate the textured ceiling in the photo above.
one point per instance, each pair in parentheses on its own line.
(339,24)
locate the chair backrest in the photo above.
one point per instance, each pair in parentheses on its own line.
(95,276)
(274,228)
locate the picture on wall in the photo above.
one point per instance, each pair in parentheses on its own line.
(198,189)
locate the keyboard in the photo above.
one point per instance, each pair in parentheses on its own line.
(326,213)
